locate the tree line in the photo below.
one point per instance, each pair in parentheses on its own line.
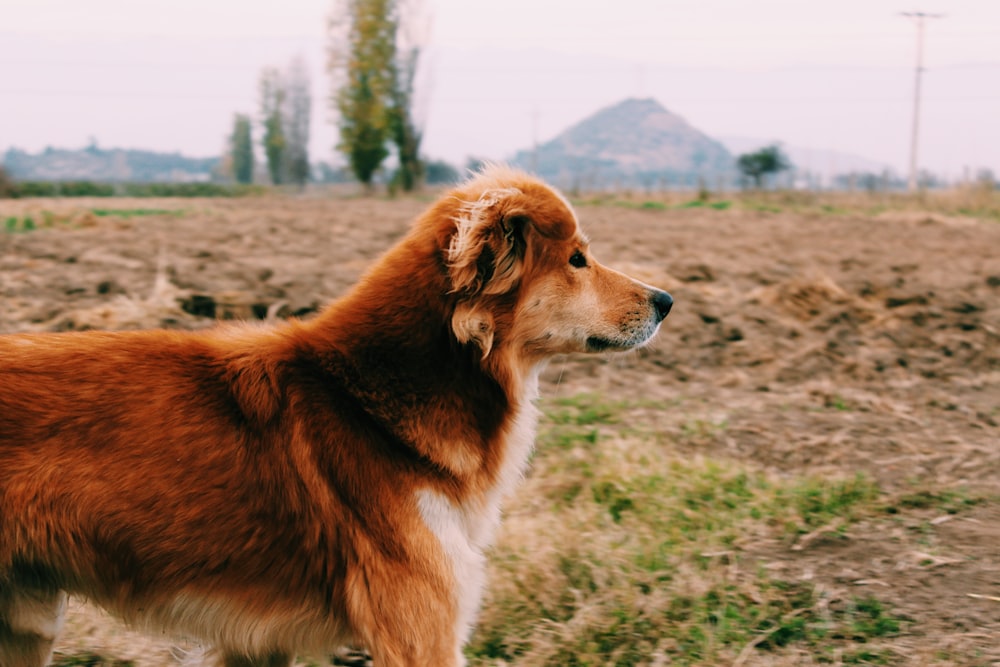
(285,114)
(373,53)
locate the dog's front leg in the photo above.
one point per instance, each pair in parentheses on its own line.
(30,618)
(406,614)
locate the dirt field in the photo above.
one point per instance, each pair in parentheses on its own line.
(800,343)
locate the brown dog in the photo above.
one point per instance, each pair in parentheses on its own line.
(274,491)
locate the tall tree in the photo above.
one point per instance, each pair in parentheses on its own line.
(272,111)
(362,52)
(241,149)
(404,132)
(297,117)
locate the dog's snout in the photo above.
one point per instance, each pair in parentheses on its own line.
(662,303)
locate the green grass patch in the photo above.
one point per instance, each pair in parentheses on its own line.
(812,503)
(642,205)
(134,212)
(25,189)
(636,554)
(582,410)
(29,222)
(575,422)
(87,659)
(701,203)
(765,208)
(948,501)
(979,201)
(14,224)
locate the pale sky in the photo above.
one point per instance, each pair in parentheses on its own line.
(499,75)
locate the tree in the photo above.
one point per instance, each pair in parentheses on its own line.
(286,110)
(405,134)
(410,33)
(241,149)
(986,179)
(757,165)
(439,172)
(272,111)
(374,51)
(362,51)
(298,113)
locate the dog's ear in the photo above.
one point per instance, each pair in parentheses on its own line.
(473,324)
(486,252)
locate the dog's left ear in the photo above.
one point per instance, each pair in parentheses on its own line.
(486,253)
(472,324)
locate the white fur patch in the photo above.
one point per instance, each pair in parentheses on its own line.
(451,525)
(38,613)
(467,529)
(227,624)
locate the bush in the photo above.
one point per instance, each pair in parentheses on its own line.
(86,189)
(7,186)
(190,190)
(439,172)
(35,189)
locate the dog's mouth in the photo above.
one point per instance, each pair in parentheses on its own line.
(599,344)
(628,341)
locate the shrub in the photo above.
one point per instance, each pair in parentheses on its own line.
(7,186)
(37,189)
(189,190)
(86,189)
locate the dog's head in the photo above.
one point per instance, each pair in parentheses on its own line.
(526,280)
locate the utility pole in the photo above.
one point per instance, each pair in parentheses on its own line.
(534,140)
(914,138)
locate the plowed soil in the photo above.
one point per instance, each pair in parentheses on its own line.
(814,343)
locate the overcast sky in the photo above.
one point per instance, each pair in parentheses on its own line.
(499,75)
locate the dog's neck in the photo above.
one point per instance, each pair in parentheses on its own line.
(390,346)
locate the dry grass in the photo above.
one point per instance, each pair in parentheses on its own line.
(621,552)
(977,200)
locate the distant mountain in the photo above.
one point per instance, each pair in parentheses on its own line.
(636,143)
(107,165)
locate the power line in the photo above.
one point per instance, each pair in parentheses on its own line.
(825,100)
(914,137)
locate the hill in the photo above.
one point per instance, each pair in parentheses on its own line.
(636,143)
(107,165)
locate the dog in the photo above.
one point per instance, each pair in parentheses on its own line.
(275,491)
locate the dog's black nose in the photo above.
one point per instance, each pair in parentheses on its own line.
(662,303)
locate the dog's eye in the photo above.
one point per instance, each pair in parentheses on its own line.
(578,260)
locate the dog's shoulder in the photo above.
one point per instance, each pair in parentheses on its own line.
(254,362)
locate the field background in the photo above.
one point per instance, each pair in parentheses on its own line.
(801,469)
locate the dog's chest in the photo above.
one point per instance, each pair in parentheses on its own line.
(464,529)
(474,519)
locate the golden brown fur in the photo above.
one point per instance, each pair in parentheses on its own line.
(273,491)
